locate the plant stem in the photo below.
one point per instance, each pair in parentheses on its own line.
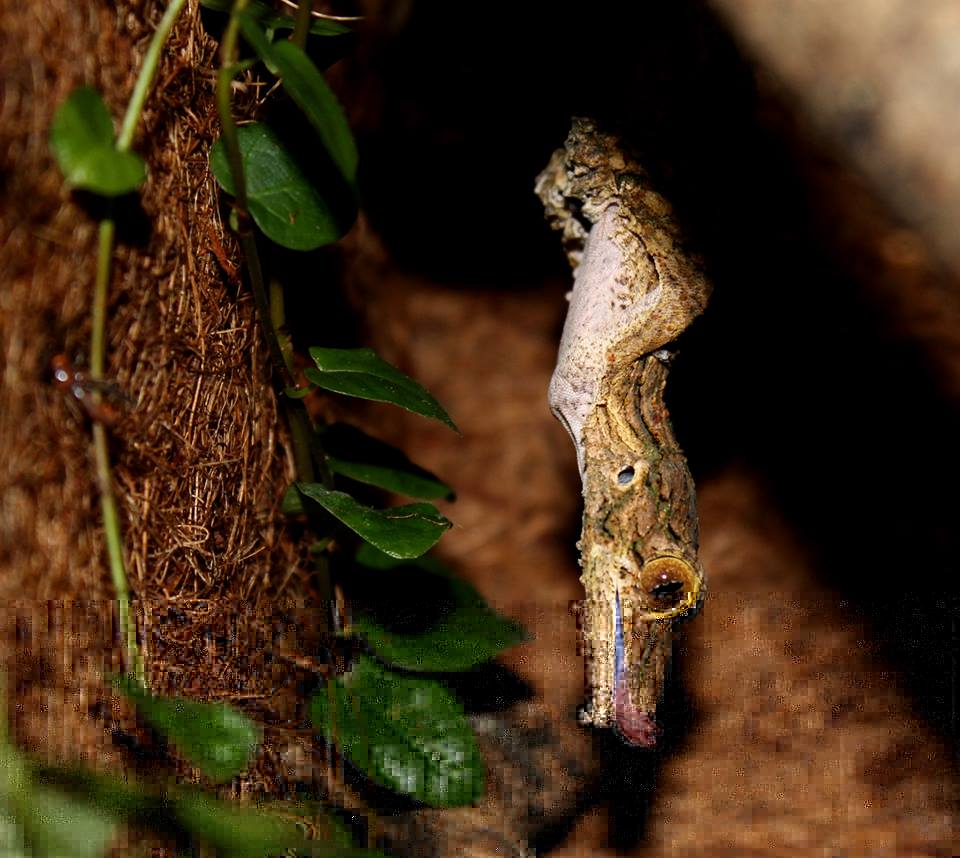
(302,26)
(118,570)
(101,452)
(4,710)
(231,144)
(101,284)
(149,68)
(108,505)
(228,50)
(278,318)
(98,321)
(270,310)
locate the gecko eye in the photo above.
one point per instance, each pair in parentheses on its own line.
(666,589)
(625,476)
(672,586)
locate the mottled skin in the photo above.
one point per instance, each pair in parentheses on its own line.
(636,289)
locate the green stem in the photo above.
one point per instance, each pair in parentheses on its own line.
(278,318)
(118,570)
(301,430)
(228,68)
(248,243)
(231,144)
(98,322)
(270,309)
(149,68)
(4,710)
(108,505)
(302,26)
(101,285)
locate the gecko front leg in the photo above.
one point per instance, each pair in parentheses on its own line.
(635,290)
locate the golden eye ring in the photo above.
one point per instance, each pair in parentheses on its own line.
(668,571)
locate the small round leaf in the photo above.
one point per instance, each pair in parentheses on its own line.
(82,140)
(216,738)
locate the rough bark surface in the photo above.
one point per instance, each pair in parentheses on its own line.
(198,466)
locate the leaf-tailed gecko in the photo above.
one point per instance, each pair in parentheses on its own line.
(635,290)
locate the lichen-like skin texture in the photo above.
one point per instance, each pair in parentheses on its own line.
(635,290)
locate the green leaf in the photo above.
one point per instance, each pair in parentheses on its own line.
(11,837)
(401,531)
(292,503)
(270,19)
(362,373)
(118,795)
(213,736)
(282,201)
(43,821)
(236,830)
(427,619)
(407,733)
(297,392)
(82,140)
(366,459)
(56,824)
(306,86)
(245,830)
(318,26)
(373,558)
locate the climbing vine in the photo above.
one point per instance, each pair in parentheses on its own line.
(384,706)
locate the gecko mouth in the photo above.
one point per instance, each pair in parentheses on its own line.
(635,725)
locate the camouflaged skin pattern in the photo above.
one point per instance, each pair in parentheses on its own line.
(636,289)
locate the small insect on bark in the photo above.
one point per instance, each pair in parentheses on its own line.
(87,393)
(635,290)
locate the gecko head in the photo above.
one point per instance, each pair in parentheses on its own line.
(667,590)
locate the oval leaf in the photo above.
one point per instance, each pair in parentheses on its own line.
(82,140)
(362,373)
(306,86)
(215,737)
(236,830)
(401,531)
(41,820)
(366,459)
(427,619)
(270,19)
(282,201)
(54,823)
(404,732)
